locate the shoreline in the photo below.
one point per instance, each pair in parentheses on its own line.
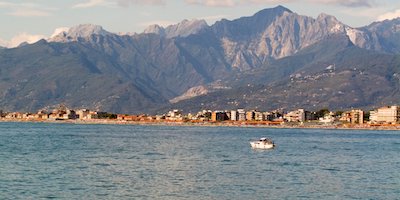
(244,124)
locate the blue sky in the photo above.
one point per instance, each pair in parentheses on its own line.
(30,20)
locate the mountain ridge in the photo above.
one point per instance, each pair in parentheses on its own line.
(87,66)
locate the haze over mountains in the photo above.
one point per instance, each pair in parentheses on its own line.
(273,59)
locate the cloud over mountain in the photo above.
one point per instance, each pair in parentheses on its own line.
(389,15)
(21,38)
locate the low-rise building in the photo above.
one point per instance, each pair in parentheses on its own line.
(14,115)
(62,114)
(174,115)
(83,114)
(328,118)
(42,115)
(204,115)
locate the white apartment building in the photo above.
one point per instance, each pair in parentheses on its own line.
(389,115)
(296,116)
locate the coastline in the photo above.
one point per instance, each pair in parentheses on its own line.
(395,127)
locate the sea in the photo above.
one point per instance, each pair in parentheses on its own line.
(75,161)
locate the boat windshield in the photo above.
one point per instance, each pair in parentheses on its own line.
(267,140)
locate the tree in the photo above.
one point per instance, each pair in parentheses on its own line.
(339,113)
(322,113)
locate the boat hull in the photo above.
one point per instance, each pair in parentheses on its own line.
(261,145)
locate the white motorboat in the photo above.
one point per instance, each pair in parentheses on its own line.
(262,143)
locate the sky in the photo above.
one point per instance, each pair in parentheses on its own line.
(31,20)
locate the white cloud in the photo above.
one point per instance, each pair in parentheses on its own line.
(122,3)
(26,9)
(212,3)
(6,4)
(21,38)
(59,30)
(90,3)
(29,13)
(389,15)
(346,3)
(3,43)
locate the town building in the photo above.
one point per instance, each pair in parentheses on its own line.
(228,114)
(296,116)
(234,115)
(310,116)
(241,115)
(41,114)
(204,115)
(62,114)
(14,115)
(390,115)
(250,115)
(174,115)
(275,115)
(328,118)
(259,116)
(218,116)
(83,114)
(353,116)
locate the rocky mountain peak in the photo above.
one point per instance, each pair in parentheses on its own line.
(386,25)
(185,28)
(85,30)
(278,10)
(330,22)
(182,29)
(156,29)
(79,31)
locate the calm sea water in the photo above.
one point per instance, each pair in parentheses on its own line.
(66,161)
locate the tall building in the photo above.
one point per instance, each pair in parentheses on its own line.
(259,116)
(390,114)
(234,116)
(218,116)
(296,116)
(250,116)
(241,115)
(353,116)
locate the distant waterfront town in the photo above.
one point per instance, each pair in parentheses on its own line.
(387,117)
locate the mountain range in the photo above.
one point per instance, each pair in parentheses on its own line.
(273,59)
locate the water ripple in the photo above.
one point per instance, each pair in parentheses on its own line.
(66,161)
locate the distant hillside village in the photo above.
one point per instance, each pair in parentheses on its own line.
(384,116)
